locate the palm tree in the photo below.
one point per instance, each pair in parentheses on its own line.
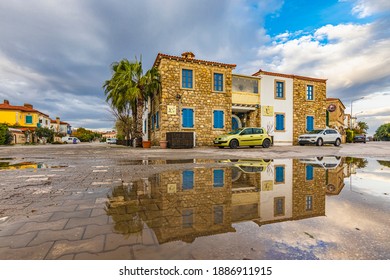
(129,88)
(363,126)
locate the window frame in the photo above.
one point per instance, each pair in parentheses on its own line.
(283,82)
(213,82)
(276,214)
(29,116)
(312,172)
(182,181)
(310,204)
(181,78)
(284,122)
(312,92)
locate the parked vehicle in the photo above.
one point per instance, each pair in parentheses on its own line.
(246,136)
(327,162)
(320,137)
(111,140)
(359,139)
(70,140)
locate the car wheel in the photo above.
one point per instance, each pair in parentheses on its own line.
(251,146)
(320,142)
(337,142)
(301,144)
(266,143)
(221,147)
(233,144)
(319,158)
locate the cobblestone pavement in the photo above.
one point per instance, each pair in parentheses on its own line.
(55,207)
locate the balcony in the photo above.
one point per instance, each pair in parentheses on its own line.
(245,90)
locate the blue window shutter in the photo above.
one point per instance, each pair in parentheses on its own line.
(186,78)
(279,122)
(188,117)
(188,180)
(157,120)
(219,175)
(218,118)
(309,172)
(309,123)
(279,176)
(279,89)
(218,82)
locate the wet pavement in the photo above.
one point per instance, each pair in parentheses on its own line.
(100,204)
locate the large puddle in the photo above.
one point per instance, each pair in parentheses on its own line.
(315,208)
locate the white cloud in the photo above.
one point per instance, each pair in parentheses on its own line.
(366,8)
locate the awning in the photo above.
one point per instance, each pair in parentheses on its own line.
(242,108)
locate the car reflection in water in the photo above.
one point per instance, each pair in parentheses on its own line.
(183,205)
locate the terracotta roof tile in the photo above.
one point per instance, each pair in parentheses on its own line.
(288,76)
(193,60)
(5,106)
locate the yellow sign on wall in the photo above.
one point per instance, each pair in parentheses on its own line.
(171,110)
(171,188)
(267,185)
(267,111)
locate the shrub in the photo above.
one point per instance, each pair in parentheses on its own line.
(5,135)
(350,135)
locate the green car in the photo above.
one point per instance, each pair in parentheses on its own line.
(246,136)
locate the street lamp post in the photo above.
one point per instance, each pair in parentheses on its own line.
(350,121)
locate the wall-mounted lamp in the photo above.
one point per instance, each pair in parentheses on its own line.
(178,97)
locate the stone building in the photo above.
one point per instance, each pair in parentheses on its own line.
(335,116)
(196,96)
(207,99)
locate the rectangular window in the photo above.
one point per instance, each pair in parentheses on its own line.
(309,92)
(309,202)
(218,215)
(187,78)
(218,178)
(29,119)
(279,119)
(309,123)
(218,119)
(279,206)
(152,120)
(188,218)
(279,89)
(187,117)
(279,174)
(188,179)
(309,172)
(218,82)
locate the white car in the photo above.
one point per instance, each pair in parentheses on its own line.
(320,137)
(111,140)
(70,140)
(327,162)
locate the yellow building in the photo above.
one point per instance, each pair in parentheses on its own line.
(335,116)
(24,116)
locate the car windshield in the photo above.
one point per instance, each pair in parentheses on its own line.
(236,131)
(314,131)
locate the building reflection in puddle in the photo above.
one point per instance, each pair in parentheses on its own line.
(186,204)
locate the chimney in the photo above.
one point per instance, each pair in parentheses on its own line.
(28,105)
(6,102)
(188,55)
(57,120)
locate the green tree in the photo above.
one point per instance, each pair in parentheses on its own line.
(85,135)
(122,125)
(383,132)
(362,127)
(45,132)
(5,135)
(128,89)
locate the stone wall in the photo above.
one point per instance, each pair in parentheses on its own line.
(302,188)
(303,107)
(202,99)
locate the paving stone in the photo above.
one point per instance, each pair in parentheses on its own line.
(17,241)
(94,230)
(97,212)
(74,214)
(37,226)
(114,241)
(27,253)
(77,222)
(55,235)
(65,247)
(122,253)
(66,257)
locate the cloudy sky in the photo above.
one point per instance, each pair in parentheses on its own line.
(56,54)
